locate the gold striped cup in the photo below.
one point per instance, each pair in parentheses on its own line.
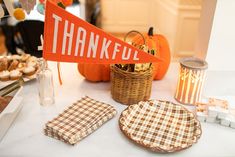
(190,82)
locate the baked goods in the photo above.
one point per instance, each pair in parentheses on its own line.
(8,98)
(13,65)
(32,59)
(21,66)
(25,57)
(29,70)
(4,75)
(17,66)
(15,75)
(4,101)
(15,57)
(3,64)
(32,63)
(3,104)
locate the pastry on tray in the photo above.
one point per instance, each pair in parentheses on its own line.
(4,101)
(29,70)
(13,65)
(32,59)
(5,75)
(21,66)
(3,64)
(15,57)
(25,57)
(15,75)
(32,63)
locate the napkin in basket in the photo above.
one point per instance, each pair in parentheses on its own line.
(79,120)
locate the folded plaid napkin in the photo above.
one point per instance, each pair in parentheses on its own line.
(79,120)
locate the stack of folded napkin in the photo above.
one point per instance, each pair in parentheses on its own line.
(79,120)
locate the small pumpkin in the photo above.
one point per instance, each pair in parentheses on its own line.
(160,44)
(95,72)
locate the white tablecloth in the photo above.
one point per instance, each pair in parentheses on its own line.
(25,137)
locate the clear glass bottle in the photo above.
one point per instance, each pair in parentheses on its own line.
(45,84)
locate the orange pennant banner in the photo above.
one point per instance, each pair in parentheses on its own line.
(68,38)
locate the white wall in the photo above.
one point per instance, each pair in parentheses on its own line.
(205,25)
(221,49)
(177,20)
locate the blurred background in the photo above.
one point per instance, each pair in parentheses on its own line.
(177,20)
(192,27)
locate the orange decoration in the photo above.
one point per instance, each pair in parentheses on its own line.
(95,72)
(85,43)
(158,42)
(19,14)
(67,2)
(68,38)
(55,1)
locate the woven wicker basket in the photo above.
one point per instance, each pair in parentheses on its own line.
(130,87)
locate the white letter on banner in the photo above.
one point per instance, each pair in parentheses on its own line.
(135,56)
(124,56)
(104,50)
(93,43)
(69,35)
(116,49)
(80,41)
(56,25)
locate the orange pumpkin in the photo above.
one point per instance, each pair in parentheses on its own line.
(67,3)
(160,44)
(101,72)
(95,72)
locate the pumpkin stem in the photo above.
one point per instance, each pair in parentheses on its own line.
(150,32)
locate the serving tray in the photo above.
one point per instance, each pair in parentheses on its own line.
(160,126)
(8,115)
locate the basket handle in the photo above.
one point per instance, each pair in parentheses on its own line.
(137,32)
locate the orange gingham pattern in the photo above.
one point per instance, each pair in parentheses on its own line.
(160,126)
(79,120)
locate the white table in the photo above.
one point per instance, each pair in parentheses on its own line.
(25,137)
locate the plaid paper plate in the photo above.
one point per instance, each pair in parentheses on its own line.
(160,126)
